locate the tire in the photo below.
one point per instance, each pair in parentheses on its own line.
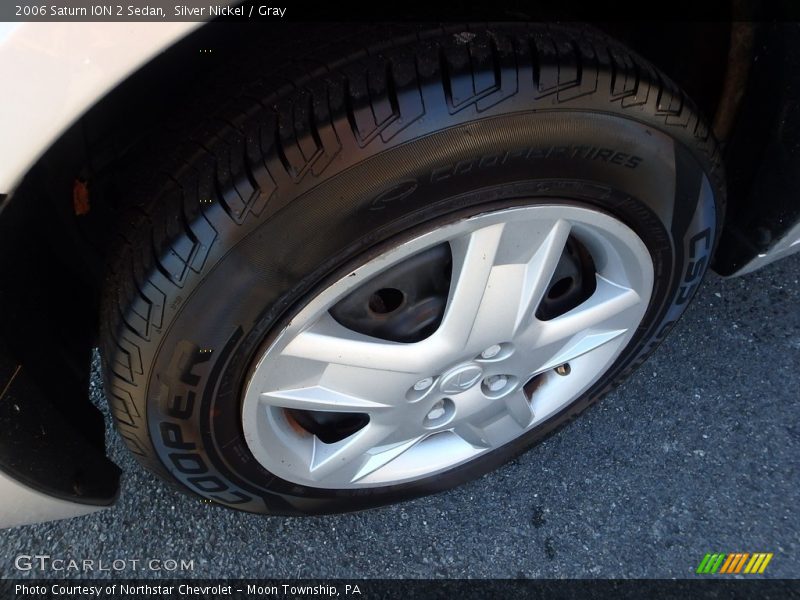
(274,197)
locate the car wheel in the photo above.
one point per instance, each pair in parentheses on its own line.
(406,268)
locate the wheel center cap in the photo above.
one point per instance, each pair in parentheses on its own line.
(460,379)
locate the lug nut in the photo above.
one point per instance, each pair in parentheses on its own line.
(495,383)
(491,351)
(563,369)
(423,384)
(436,412)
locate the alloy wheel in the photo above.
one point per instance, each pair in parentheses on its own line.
(446,346)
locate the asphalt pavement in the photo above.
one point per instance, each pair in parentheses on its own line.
(697,452)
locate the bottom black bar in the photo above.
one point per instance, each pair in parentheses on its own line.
(459,589)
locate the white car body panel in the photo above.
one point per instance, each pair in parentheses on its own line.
(54,72)
(22,505)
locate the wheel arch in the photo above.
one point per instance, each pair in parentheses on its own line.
(55,248)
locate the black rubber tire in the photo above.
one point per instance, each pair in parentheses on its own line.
(274,188)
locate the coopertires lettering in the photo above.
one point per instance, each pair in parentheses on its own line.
(181,393)
(608,155)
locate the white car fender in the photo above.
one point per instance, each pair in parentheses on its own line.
(54,72)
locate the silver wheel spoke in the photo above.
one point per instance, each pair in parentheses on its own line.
(539,271)
(346,458)
(319,398)
(501,274)
(473,263)
(581,346)
(334,387)
(473,434)
(606,310)
(329,342)
(519,407)
(381,458)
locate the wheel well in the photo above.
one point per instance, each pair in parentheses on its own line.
(57,227)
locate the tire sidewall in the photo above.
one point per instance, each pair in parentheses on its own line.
(644,177)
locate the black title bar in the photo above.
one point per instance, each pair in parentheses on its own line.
(512,10)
